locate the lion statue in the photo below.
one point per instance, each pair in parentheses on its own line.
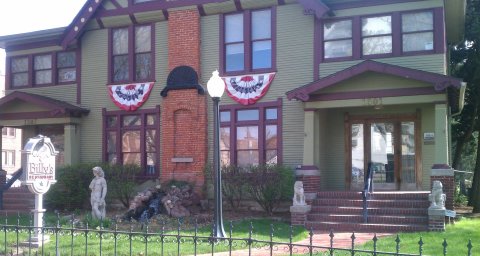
(299,195)
(437,197)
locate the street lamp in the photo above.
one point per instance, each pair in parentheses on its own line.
(216,87)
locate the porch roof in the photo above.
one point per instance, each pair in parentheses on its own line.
(438,81)
(56,108)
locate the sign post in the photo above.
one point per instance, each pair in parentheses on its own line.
(38,164)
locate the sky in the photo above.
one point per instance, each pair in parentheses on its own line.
(21,16)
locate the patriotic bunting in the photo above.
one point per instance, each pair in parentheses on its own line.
(130,97)
(248,89)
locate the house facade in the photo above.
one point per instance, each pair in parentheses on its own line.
(325,87)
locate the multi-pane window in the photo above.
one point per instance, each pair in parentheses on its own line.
(394,34)
(247,41)
(66,67)
(19,71)
(377,35)
(41,69)
(249,136)
(133,139)
(132,54)
(8,158)
(337,39)
(42,66)
(417,31)
(8,132)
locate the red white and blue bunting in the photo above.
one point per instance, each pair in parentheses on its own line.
(248,89)
(130,97)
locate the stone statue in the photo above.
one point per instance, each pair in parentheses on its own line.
(99,191)
(299,195)
(437,197)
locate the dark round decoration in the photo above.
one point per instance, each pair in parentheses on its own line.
(180,78)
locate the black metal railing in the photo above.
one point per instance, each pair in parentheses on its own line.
(367,190)
(8,184)
(72,240)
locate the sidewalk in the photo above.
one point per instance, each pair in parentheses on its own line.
(320,238)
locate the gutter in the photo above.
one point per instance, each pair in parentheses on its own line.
(461,99)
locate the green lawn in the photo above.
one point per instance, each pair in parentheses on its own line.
(457,237)
(142,242)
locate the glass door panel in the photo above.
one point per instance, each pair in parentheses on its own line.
(382,154)
(358,157)
(408,157)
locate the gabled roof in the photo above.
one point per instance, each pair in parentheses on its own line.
(440,82)
(57,108)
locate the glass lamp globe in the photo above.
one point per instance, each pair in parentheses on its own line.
(215,85)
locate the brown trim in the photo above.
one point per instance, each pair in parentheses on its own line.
(396,119)
(440,82)
(348,151)
(418,149)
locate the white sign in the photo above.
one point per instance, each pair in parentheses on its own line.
(38,164)
(450,213)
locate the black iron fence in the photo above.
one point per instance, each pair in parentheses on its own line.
(75,239)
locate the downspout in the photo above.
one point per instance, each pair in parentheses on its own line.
(461,99)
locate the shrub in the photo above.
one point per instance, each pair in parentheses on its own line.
(72,188)
(268,185)
(121,181)
(234,185)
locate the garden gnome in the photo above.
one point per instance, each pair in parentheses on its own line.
(99,191)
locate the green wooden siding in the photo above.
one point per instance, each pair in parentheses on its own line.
(434,63)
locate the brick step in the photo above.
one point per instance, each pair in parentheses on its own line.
(393,195)
(362,227)
(371,210)
(377,219)
(18,199)
(372,203)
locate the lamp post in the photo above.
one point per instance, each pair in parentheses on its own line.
(216,87)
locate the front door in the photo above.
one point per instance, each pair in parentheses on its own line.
(390,145)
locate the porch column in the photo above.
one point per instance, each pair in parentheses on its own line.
(441,134)
(72,144)
(441,169)
(308,172)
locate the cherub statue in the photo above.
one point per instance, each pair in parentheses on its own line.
(299,195)
(437,197)
(99,191)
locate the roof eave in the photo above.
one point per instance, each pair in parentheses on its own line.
(54,34)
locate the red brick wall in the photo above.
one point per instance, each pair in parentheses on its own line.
(184,39)
(184,112)
(311,183)
(178,108)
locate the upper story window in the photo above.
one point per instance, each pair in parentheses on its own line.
(337,39)
(42,66)
(142,1)
(8,132)
(132,54)
(248,41)
(41,69)
(393,34)
(417,31)
(377,35)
